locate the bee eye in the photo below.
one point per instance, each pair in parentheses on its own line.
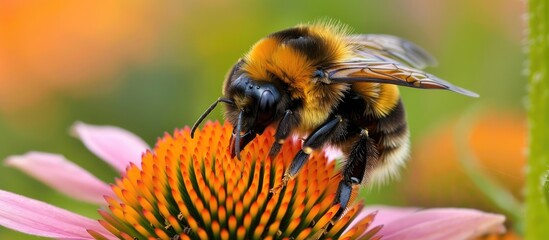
(266,106)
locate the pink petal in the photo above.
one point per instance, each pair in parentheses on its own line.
(388,214)
(383,215)
(442,223)
(62,175)
(41,219)
(116,146)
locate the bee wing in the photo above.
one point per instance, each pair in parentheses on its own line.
(389,72)
(387,47)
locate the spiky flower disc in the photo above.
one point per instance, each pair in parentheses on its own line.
(192,189)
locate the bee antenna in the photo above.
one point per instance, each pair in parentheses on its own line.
(207,112)
(237,135)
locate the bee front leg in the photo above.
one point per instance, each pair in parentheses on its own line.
(363,157)
(288,122)
(314,141)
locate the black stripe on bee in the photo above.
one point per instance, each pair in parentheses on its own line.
(395,121)
(305,42)
(392,130)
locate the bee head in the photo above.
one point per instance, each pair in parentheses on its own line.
(254,109)
(251,107)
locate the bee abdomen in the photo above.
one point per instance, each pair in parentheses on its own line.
(391,131)
(394,137)
(393,145)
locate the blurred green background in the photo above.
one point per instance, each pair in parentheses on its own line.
(152,66)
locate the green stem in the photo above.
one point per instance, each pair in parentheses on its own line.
(537,209)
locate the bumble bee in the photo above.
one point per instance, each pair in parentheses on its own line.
(334,88)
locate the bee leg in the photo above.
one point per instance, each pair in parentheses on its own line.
(282,132)
(363,156)
(317,139)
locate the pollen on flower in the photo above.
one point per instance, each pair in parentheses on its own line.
(192,189)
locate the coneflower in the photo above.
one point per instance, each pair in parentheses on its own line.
(192,189)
